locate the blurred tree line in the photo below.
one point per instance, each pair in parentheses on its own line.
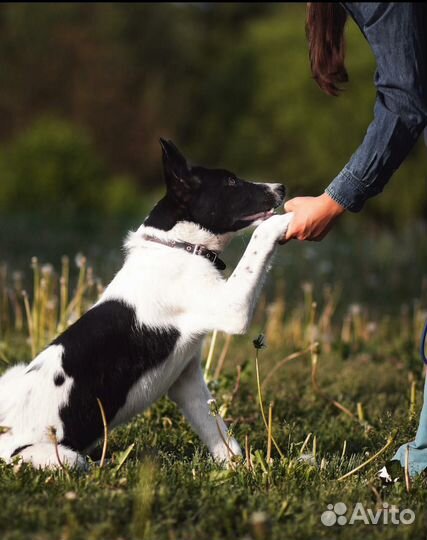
(87,89)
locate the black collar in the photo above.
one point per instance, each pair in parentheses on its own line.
(194,249)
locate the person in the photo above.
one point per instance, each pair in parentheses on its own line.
(397,35)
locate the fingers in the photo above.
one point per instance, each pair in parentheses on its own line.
(291,205)
(313,217)
(300,227)
(286,237)
(290,233)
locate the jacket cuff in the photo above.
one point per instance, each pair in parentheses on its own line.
(347,191)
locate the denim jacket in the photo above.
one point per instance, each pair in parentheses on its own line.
(397,34)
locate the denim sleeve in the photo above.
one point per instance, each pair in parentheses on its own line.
(397,34)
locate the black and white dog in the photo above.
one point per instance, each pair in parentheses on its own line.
(143,338)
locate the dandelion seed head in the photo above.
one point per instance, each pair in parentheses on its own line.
(46,270)
(307,287)
(355,309)
(17,276)
(372,327)
(80,260)
(71,495)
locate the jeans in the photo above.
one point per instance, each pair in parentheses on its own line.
(418,447)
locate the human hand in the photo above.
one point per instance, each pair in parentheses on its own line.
(313,217)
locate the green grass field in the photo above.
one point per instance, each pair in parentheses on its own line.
(353,307)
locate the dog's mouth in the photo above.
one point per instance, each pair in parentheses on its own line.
(259,216)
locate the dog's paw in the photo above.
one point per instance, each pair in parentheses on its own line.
(276,226)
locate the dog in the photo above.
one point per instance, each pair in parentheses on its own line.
(143,338)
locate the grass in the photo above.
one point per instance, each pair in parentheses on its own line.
(339,380)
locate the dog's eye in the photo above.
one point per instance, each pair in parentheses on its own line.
(231,181)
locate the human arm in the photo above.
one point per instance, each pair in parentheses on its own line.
(396,33)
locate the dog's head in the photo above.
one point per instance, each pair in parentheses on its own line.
(215,199)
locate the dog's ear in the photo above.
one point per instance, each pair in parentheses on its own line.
(178,177)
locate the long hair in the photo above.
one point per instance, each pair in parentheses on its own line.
(325,33)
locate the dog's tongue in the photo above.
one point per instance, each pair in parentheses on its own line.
(259,215)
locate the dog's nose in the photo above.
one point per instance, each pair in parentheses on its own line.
(279,190)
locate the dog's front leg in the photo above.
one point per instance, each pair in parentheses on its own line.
(192,395)
(232,304)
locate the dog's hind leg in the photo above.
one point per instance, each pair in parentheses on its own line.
(192,395)
(46,455)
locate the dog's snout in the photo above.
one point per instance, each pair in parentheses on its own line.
(279,191)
